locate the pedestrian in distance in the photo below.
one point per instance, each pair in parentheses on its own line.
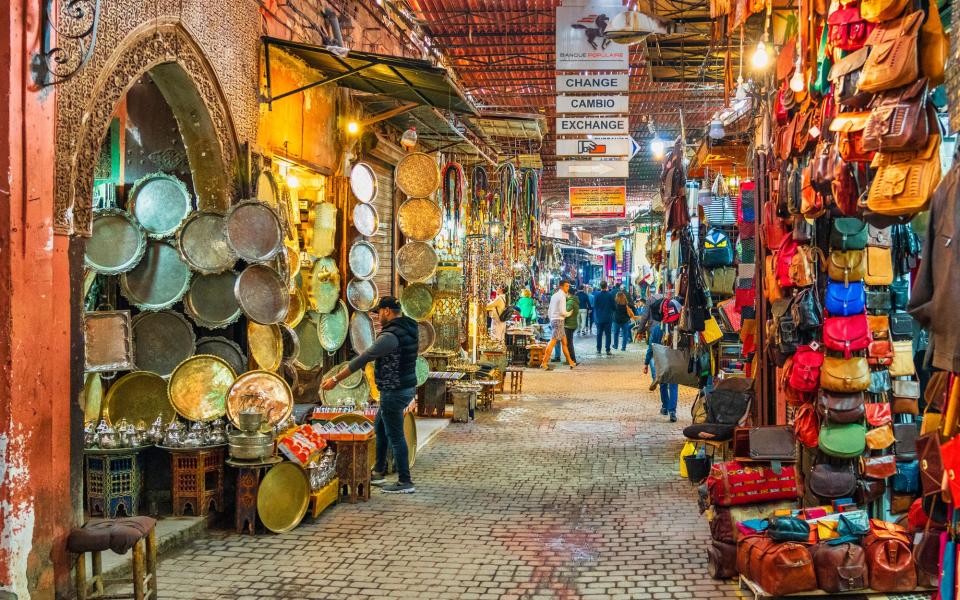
(495,309)
(583,301)
(570,325)
(668,391)
(604,307)
(623,317)
(558,313)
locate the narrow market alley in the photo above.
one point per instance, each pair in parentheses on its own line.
(569,491)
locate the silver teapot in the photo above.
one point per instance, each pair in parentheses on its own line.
(174,435)
(195,436)
(154,435)
(90,435)
(107,437)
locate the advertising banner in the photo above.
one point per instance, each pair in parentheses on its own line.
(598,202)
(582,44)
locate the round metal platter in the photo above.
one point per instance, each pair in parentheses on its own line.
(325,284)
(352,381)
(341,394)
(161,341)
(311,352)
(138,396)
(366,219)
(253,230)
(417,301)
(296,309)
(283,497)
(91,397)
(410,433)
(159,280)
(423,370)
(198,387)
(362,332)
(362,294)
(228,350)
(265,344)
(262,390)
(267,188)
(420,219)
(262,294)
(203,243)
(290,341)
(428,336)
(324,239)
(333,327)
(363,182)
(117,244)
(293,263)
(363,259)
(417,261)
(160,202)
(417,175)
(211,302)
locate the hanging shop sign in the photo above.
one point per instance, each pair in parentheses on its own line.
(619,145)
(582,43)
(595,104)
(593,125)
(617,169)
(598,202)
(572,82)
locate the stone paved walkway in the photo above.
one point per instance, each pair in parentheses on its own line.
(568,492)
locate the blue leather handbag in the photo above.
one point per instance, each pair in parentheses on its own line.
(907,479)
(845,300)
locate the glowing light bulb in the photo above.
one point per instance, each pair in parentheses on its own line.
(716,131)
(797,82)
(353,127)
(760,59)
(293,182)
(657,148)
(734,181)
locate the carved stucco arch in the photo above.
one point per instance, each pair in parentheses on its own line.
(166,50)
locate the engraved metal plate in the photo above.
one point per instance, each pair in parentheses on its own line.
(210,302)
(262,390)
(228,350)
(420,219)
(108,341)
(117,244)
(362,332)
(262,294)
(160,202)
(311,351)
(366,219)
(198,387)
(159,280)
(324,284)
(202,242)
(428,336)
(349,382)
(324,229)
(296,309)
(253,230)
(417,301)
(416,261)
(417,175)
(91,397)
(343,395)
(265,344)
(333,328)
(283,497)
(162,340)
(362,294)
(363,182)
(363,259)
(423,370)
(138,397)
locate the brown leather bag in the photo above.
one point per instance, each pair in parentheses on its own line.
(801,130)
(894,57)
(905,181)
(785,568)
(840,567)
(899,119)
(849,129)
(845,376)
(879,266)
(926,555)
(846,265)
(722,560)
(749,550)
(803,265)
(889,561)
(845,74)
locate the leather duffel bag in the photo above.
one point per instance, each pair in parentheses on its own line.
(745,546)
(722,560)
(785,568)
(889,559)
(840,567)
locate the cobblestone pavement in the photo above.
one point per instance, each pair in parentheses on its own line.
(567,492)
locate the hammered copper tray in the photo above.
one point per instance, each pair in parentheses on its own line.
(228,350)
(363,259)
(117,244)
(333,327)
(108,341)
(417,175)
(311,351)
(417,301)
(162,340)
(416,261)
(139,397)
(290,342)
(363,182)
(428,335)
(324,229)
(297,307)
(324,284)
(262,294)
(159,202)
(365,219)
(362,332)
(91,397)
(254,231)
(159,280)
(283,497)
(265,344)
(362,294)
(211,302)
(263,390)
(420,219)
(203,244)
(198,387)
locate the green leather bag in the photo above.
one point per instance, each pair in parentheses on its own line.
(843,440)
(848,233)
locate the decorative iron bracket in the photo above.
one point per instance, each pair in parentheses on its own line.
(74,25)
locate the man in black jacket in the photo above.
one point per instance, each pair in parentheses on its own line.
(394,356)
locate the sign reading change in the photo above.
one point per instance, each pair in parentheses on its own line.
(598,202)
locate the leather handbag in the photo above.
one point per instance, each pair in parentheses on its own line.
(733,483)
(841,408)
(811,202)
(889,561)
(935,394)
(729,401)
(869,491)
(879,413)
(878,11)
(806,310)
(907,478)
(905,181)
(806,426)
(847,233)
(931,463)
(801,131)
(803,266)
(879,262)
(878,300)
(926,554)
(934,46)
(845,189)
(906,396)
(722,559)
(786,568)
(899,119)
(879,467)
(880,353)
(822,167)
(846,265)
(845,375)
(720,281)
(899,293)
(775,444)
(847,334)
(879,326)
(722,525)
(901,326)
(879,237)
(840,567)
(804,371)
(906,441)
(894,56)
(879,382)
(788,529)
(746,547)
(672,366)
(829,482)
(773,227)
(902,365)
(843,440)
(880,438)
(849,129)
(845,74)
(847,30)
(845,300)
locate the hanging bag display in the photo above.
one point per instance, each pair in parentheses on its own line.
(846,73)
(879,266)
(845,300)
(879,467)
(847,334)
(848,233)
(934,46)
(905,181)
(843,440)
(894,56)
(803,266)
(847,29)
(906,397)
(901,326)
(717,249)
(845,376)
(902,365)
(880,438)
(879,413)
(899,119)
(841,408)
(849,128)
(804,372)
(846,265)
(880,353)
(829,482)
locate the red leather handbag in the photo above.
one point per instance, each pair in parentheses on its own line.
(847,334)
(880,353)
(805,369)
(879,413)
(774,229)
(806,426)
(847,30)
(844,186)
(784,258)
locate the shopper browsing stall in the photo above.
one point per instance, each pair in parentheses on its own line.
(495,308)
(558,313)
(527,307)
(583,300)
(570,327)
(623,317)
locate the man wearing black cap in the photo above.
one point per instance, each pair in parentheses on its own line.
(394,356)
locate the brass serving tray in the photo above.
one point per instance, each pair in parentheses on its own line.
(417,175)
(262,295)
(417,261)
(297,307)
(324,284)
(162,340)
(262,390)
(363,182)
(428,335)
(324,239)
(417,301)
(420,219)
(362,332)
(365,219)
(159,280)
(210,302)
(333,327)
(311,351)
(265,344)
(423,370)
(117,244)
(138,397)
(363,259)
(342,395)
(228,350)
(362,294)
(202,242)
(254,231)
(159,202)
(198,387)
(410,433)
(283,497)
(91,397)
(108,341)
(352,380)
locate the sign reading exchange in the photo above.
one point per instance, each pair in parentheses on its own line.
(590,125)
(582,43)
(598,202)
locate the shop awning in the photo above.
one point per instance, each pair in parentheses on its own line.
(404,79)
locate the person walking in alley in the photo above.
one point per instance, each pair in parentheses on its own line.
(495,308)
(668,391)
(583,300)
(558,313)
(604,306)
(527,307)
(570,325)
(394,356)
(623,317)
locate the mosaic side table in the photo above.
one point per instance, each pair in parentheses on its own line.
(113,481)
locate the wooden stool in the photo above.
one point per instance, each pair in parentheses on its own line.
(197,480)
(485,397)
(248,485)
(536,355)
(353,469)
(516,379)
(118,535)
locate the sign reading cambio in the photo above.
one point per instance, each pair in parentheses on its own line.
(598,202)
(582,43)
(593,104)
(592,125)
(617,82)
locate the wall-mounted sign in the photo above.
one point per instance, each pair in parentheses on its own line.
(598,202)
(582,44)
(593,105)
(618,169)
(575,82)
(598,145)
(592,125)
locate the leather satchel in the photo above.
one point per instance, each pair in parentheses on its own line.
(847,29)
(899,119)
(841,408)
(880,353)
(786,568)
(889,560)
(894,56)
(848,233)
(879,262)
(845,189)
(934,46)
(869,491)
(672,366)
(788,529)
(880,438)
(846,265)
(772,443)
(806,310)
(849,128)
(879,237)
(840,567)
(902,365)
(803,266)
(829,482)
(906,396)
(845,74)
(804,372)
(845,376)
(843,440)
(879,326)
(822,167)
(879,467)
(901,326)
(879,413)
(926,554)
(906,441)
(931,463)
(905,181)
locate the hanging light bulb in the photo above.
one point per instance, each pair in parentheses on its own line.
(796,82)
(761,58)
(716,131)
(741,90)
(657,148)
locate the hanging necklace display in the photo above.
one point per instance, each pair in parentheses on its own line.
(417,261)
(262,294)
(159,202)
(362,332)
(324,285)
(117,244)
(417,175)
(363,182)
(365,219)
(416,300)
(228,350)
(140,396)
(202,241)
(420,219)
(324,238)
(210,302)
(159,280)
(254,231)
(362,294)
(333,327)
(363,260)
(198,387)
(265,343)
(161,341)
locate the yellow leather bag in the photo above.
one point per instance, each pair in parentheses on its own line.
(846,265)
(905,181)
(934,47)
(880,438)
(879,266)
(711,331)
(878,11)
(902,365)
(845,375)
(894,56)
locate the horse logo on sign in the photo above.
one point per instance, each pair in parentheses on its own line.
(595,29)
